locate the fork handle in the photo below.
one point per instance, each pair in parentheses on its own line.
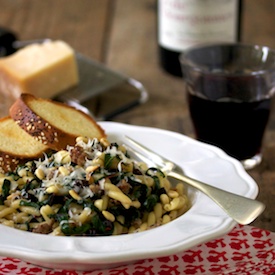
(241,209)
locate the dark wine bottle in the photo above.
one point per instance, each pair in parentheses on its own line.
(186,23)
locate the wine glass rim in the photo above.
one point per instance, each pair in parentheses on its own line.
(186,62)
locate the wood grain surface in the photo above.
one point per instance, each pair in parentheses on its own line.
(123,35)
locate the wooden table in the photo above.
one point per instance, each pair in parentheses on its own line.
(122,34)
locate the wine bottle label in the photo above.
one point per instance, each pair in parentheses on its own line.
(185,23)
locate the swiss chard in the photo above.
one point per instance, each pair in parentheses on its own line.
(150,202)
(5,191)
(29,203)
(63,212)
(71,229)
(102,226)
(111,161)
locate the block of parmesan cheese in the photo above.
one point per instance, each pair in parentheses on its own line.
(43,70)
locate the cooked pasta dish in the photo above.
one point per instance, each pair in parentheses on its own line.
(90,189)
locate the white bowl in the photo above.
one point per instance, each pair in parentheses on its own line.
(203,222)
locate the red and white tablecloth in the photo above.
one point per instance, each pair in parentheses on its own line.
(246,250)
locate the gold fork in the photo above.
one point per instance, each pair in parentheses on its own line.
(241,209)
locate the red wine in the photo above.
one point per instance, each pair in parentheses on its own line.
(235,127)
(185,23)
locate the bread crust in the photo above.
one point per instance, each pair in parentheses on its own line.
(10,156)
(8,162)
(42,130)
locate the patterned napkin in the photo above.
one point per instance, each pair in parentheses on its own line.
(246,250)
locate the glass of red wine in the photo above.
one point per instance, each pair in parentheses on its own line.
(229,92)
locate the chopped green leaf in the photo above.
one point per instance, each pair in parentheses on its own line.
(29,203)
(150,202)
(102,226)
(71,229)
(5,191)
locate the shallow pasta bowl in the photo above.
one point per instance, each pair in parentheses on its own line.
(203,222)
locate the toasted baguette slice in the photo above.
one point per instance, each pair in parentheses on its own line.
(54,124)
(16,146)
